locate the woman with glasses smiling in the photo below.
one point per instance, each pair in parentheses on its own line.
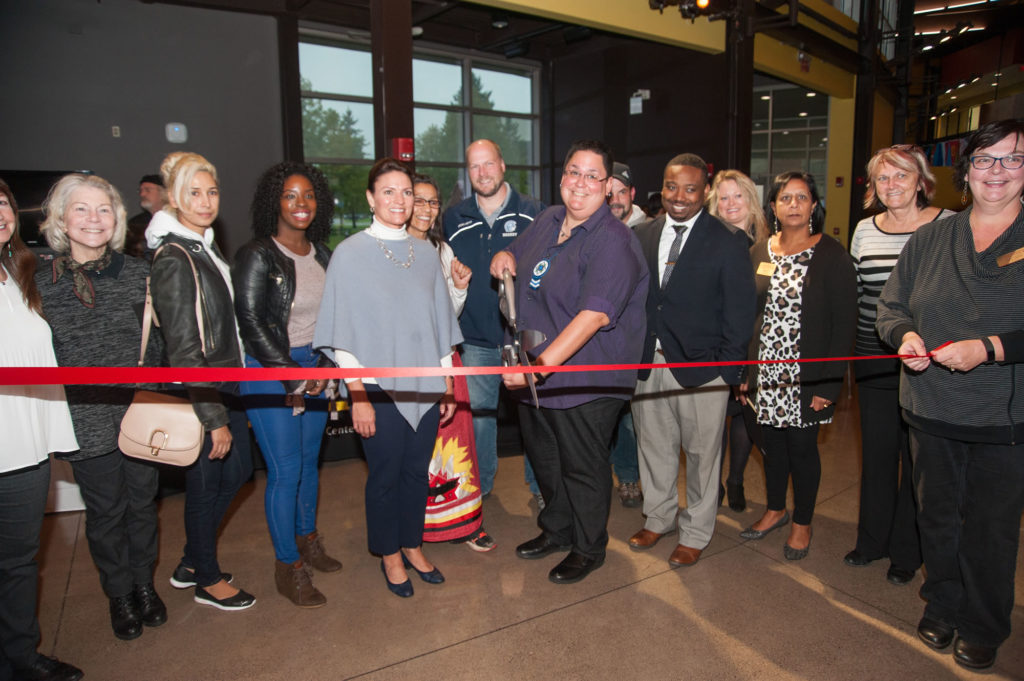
(581,281)
(952,307)
(807,309)
(455,502)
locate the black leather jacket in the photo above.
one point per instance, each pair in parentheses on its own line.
(264,281)
(174,301)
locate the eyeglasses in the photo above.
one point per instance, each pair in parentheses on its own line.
(1011,162)
(589,178)
(419,203)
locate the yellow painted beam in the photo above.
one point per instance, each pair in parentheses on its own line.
(840,160)
(831,13)
(780,60)
(633,18)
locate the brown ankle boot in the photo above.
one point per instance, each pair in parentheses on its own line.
(312,552)
(295,583)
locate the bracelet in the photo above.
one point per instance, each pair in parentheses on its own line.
(989,348)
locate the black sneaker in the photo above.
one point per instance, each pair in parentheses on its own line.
(48,669)
(151,607)
(184,578)
(240,601)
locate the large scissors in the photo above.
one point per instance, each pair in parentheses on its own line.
(523,340)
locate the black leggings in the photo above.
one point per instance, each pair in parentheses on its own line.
(792,451)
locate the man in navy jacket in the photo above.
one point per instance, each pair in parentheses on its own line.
(476,229)
(700,308)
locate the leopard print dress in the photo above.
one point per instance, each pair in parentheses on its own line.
(777,399)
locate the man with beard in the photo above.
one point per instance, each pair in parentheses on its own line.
(476,229)
(700,308)
(152,197)
(621,199)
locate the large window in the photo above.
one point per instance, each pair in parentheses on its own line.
(337,119)
(790,132)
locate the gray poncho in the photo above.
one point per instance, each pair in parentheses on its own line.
(389,316)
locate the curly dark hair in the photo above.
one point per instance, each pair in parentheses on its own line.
(266,202)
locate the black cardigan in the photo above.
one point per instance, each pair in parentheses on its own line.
(828,322)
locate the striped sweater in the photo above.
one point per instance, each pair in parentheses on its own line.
(874,252)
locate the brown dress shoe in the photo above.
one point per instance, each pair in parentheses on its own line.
(684,556)
(644,539)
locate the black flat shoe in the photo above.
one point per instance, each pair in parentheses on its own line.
(574,568)
(973,656)
(857,559)
(432,577)
(935,633)
(124,618)
(240,601)
(48,669)
(183,578)
(538,547)
(899,576)
(751,533)
(403,590)
(152,610)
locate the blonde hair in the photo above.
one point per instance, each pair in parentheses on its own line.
(55,207)
(757,219)
(178,169)
(908,158)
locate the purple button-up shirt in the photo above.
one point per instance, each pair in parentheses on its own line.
(599,268)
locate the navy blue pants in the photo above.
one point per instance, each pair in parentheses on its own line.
(398,457)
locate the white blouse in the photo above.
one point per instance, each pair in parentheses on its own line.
(34,419)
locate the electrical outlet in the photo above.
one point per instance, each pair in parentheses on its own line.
(115,131)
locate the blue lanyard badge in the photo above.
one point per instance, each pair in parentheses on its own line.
(539,270)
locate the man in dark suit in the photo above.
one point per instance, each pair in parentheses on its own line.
(700,308)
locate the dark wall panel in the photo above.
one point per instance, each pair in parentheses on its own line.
(78,67)
(686,111)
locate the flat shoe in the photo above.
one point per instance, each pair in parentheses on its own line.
(644,539)
(538,547)
(899,576)
(240,601)
(751,533)
(183,578)
(857,559)
(684,556)
(403,590)
(934,633)
(973,656)
(574,568)
(431,577)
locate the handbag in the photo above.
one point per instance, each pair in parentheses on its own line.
(159,426)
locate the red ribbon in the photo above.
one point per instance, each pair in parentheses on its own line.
(109,375)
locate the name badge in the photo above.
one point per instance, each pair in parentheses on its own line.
(1010,258)
(766,269)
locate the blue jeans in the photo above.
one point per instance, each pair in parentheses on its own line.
(22,503)
(483,402)
(210,486)
(624,461)
(291,449)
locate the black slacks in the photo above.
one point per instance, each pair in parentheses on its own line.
(569,450)
(792,452)
(887,525)
(120,518)
(970,498)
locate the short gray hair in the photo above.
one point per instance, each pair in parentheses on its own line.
(55,207)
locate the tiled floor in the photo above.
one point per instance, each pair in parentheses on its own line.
(742,612)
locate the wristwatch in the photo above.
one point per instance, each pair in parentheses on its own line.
(989,348)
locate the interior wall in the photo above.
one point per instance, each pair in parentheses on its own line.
(84,66)
(590,96)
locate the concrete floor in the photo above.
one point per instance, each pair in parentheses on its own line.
(743,612)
